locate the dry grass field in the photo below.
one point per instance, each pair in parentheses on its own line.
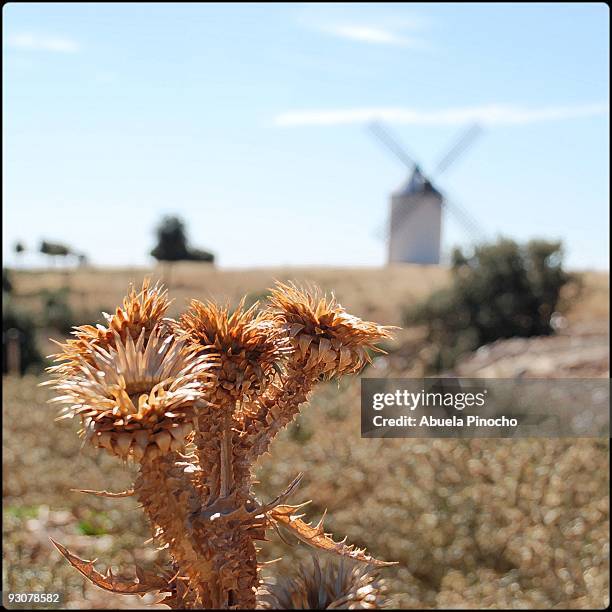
(371,292)
(472,523)
(379,293)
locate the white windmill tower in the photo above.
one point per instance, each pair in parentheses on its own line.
(415,222)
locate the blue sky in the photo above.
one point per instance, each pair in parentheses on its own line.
(249,121)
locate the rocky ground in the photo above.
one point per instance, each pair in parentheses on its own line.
(581,350)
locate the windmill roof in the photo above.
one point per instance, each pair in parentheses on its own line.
(417,183)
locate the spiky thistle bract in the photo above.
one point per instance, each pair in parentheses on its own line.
(141,312)
(326,339)
(342,585)
(249,344)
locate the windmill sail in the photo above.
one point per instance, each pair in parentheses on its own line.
(453,154)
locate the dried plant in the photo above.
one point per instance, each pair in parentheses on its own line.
(194,402)
(342,586)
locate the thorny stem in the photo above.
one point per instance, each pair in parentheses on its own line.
(225,458)
(221,528)
(167,496)
(285,401)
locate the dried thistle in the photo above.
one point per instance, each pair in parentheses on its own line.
(195,402)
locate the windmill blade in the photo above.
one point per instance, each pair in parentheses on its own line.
(389,141)
(464,141)
(467,222)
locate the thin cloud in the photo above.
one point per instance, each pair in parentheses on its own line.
(494,114)
(42,43)
(368,34)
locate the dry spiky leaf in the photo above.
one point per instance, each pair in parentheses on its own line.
(145,582)
(109,494)
(315,536)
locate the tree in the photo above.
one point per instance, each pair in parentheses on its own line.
(172,243)
(171,240)
(54,249)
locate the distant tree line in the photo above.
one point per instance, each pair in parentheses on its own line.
(53,250)
(172,245)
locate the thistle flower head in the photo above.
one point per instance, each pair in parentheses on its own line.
(249,345)
(135,398)
(134,386)
(326,339)
(142,311)
(336,586)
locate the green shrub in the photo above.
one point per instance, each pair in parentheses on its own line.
(501,290)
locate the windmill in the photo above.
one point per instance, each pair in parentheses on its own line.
(415,222)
